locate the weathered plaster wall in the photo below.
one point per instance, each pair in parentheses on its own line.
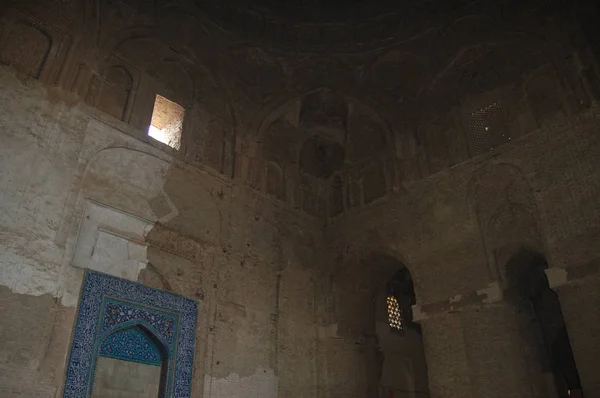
(372,137)
(116,378)
(456,231)
(78,191)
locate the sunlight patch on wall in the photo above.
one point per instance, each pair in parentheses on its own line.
(167,122)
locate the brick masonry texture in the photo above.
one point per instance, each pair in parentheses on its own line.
(317,158)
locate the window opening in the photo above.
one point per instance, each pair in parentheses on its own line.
(167,122)
(486,128)
(395,318)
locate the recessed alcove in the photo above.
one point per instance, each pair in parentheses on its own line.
(131,362)
(130,340)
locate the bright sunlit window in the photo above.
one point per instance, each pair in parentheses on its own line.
(167,122)
(394,313)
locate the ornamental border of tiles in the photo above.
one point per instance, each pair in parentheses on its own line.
(168,317)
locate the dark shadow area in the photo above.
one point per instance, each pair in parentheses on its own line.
(528,281)
(164,360)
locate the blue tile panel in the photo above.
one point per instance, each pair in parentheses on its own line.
(131,344)
(109,307)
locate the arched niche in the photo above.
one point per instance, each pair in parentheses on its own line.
(137,352)
(114,91)
(335,126)
(274,181)
(435,140)
(313,190)
(26,48)
(511,226)
(129,322)
(280,141)
(215,145)
(496,184)
(506,212)
(324,110)
(373,298)
(403,369)
(134,179)
(320,157)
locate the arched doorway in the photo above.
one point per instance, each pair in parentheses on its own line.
(402,367)
(528,285)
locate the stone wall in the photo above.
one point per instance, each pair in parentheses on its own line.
(379,115)
(79,191)
(457,230)
(441,148)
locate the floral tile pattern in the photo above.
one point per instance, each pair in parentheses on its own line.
(110,306)
(131,344)
(116,313)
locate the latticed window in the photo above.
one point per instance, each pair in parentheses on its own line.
(395,319)
(487,129)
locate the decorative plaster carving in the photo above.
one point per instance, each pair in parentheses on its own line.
(111,241)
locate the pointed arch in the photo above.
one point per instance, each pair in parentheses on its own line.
(26,48)
(115,91)
(274,180)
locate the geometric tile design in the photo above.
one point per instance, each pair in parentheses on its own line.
(395,318)
(110,310)
(131,344)
(115,313)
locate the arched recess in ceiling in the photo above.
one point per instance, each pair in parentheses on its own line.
(331,141)
(254,75)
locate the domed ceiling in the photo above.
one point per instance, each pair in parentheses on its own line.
(346,25)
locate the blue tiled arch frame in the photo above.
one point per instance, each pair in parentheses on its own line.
(132,324)
(99,289)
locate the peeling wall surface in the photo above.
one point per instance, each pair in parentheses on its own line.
(79,192)
(323,148)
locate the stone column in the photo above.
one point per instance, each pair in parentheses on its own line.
(477,345)
(503,352)
(578,290)
(446,357)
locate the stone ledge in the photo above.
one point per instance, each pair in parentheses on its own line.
(560,277)
(493,293)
